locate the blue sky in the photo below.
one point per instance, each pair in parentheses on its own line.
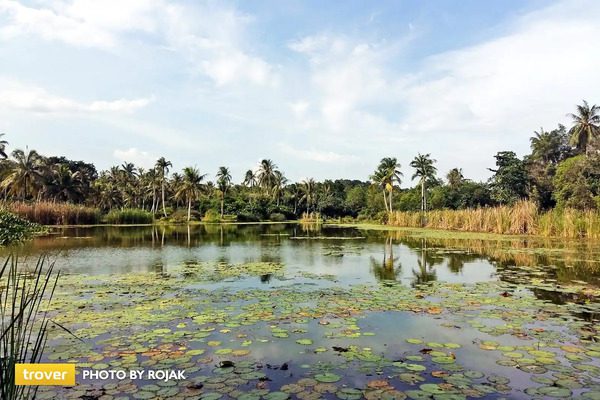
(325,89)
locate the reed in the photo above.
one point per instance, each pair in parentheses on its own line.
(55,213)
(23,322)
(129,216)
(523,218)
(311,218)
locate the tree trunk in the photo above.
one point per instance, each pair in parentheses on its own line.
(391,192)
(385,201)
(163,197)
(189,209)
(423,200)
(222,204)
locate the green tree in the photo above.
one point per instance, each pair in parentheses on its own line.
(279,184)
(3,144)
(24,176)
(162,165)
(586,127)
(223,183)
(250,179)
(191,187)
(510,180)
(309,193)
(455,177)
(577,183)
(386,176)
(424,170)
(266,175)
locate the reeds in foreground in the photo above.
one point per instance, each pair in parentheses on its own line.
(523,218)
(311,218)
(23,321)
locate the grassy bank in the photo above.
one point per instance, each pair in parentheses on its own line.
(523,218)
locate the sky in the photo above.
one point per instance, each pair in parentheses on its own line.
(323,88)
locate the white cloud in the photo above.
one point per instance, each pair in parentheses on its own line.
(15,95)
(138,157)
(315,155)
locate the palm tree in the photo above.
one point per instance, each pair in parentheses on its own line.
(455,177)
(3,144)
(278,186)
(191,187)
(586,126)
(162,165)
(250,179)
(65,184)
(309,193)
(266,174)
(223,182)
(387,173)
(25,175)
(424,169)
(546,146)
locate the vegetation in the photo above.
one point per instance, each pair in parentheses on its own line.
(15,229)
(23,321)
(129,216)
(562,172)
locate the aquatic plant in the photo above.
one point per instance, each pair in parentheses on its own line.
(23,321)
(129,216)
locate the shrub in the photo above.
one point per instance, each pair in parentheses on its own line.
(181,216)
(211,216)
(129,216)
(248,217)
(15,229)
(277,217)
(51,213)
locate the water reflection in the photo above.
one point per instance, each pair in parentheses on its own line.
(351,255)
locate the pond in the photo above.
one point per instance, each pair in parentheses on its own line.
(309,312)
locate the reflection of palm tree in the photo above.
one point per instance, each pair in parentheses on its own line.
(456,263)
(424,274)
(386,270)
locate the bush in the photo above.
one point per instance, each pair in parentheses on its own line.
(129,216)
(15,229)
(247,217)
(50,213)
(211,216)
(181,216)
(277,217)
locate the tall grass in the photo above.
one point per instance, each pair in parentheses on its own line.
(311,218)
(23,322)
(523,218)
(129,216)
(51,213)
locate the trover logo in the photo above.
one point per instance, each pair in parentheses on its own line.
(45,374)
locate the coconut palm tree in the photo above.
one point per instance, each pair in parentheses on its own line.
(223,183)
(546,146)
(162,166)
(455,177)
(24,175)
(191,187)
(309,193)
(3,144)
(266,174)
(250,179)
(586,126)
(387,174)
(65,185)
(424,169)
(278,186)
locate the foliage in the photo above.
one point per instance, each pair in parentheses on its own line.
(15,229)
(211,216)
(129,216)
(577,183)
(23,321)
(510,181)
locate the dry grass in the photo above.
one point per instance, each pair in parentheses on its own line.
(311,218)
(523,218)
(51,213)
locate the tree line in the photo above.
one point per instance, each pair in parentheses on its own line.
(562,170)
